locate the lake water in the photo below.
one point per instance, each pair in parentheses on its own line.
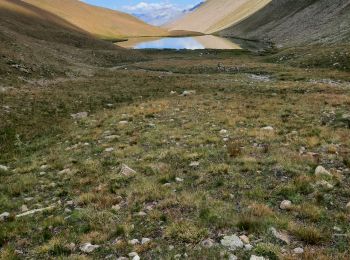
(178,43)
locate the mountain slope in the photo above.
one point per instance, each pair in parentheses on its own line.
(216,15)
(291,22)
(36,43)
(101,22)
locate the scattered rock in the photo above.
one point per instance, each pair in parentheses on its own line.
(348,206)
(111,137)
(179,179)
(24,208)
(280,235)
(141,214)
(188,93)
(126,170)
(116,207)
(320,171)
(286,205)
(244,239)
(262,78)
(208,243)
(145,240)
(267,128)
(325,185)
(79,115)
(4,168)
(133,254)
(194,164)
(31,212)
(254,257)
(298,250)
(4,216)
(70,203)
(64,171)
(232,257)
(88,247)
(123,122)
(122,258)
(337,229)
(109,149)
(248,247)
(133,242)
(223,132)
(172,92)
(232,242)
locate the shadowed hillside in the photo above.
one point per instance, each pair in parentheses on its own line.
(101,22)
(291,22)
(34,42)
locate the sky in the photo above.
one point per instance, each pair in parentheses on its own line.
(155,12)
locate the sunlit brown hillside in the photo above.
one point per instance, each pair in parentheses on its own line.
(216,15)
(101,22)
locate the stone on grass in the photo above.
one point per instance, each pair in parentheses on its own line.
(64,171)
(4,216)
(24,208)
(194,164)
(179,179)
(31,212)
(325,185)
(254,257)
(248,247)
(116,207)
(208,243)
(123,122)
(133,242)
(88,248)
(286,205)
(109,149)
(188,93)
(348,206)
(122,258)
(232,257)
(79,115)
(232,242)
(244,239)
(4,168)
(145,240)
(320,171)
(141,214)
(223,132)
(267,128)
(298,250)
(126,170)
(134,255)
(280,235)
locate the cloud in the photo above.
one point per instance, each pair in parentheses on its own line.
(155,13)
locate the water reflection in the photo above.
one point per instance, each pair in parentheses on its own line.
(191,43)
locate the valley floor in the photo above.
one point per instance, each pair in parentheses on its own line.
(172,156)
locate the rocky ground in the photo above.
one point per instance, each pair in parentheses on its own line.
(198,155)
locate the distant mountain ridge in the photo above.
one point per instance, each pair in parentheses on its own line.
(165,17)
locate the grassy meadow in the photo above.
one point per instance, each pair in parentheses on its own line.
(165,155)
